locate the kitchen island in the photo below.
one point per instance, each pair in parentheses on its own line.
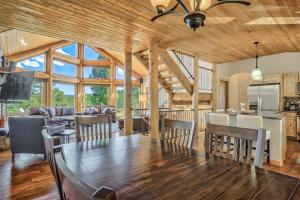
(275,122)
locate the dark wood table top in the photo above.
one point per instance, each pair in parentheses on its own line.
(139,167)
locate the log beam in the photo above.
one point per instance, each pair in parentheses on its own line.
(36,51)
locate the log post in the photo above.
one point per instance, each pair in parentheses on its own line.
(153,89)
(196,94)
(49,59)
(128,91)
(113,92)
(79,91)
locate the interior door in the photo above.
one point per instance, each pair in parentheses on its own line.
(223,98)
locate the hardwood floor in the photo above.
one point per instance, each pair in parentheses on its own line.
(31,178)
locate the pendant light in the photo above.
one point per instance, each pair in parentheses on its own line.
(256,73)
(160,5)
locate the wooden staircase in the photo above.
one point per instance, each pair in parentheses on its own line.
(171,77)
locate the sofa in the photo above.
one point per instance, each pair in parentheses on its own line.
(107,109)
(26,135)
(59,115)
(54,115)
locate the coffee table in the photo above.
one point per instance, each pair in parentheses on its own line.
(66,135)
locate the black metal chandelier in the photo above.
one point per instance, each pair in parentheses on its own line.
(195,17)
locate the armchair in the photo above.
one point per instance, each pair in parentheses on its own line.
(26,135)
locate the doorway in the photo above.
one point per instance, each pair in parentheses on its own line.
(223,95)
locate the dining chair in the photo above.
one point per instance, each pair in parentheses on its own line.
(93,127)
(178,132)
(220,119)
(50,143)
(73,188)
(255,122)
(242,147)
(220,110)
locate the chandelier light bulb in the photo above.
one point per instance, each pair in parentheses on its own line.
(160,5)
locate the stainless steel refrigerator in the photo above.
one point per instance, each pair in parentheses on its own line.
(264,97)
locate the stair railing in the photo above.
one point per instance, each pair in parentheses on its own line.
(187,63)
(178,114)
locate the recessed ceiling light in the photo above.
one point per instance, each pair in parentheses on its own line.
(23,43)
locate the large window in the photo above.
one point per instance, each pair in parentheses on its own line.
(36,63)
(120,100)
(36,98)
(97,72)
(91,54)
(63,94)
(95,95)
(135,97)
(64,68)
(120,74)
(69,50)
(135,103)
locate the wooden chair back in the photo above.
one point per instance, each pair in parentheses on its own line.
(93,127)
(240,138)
(73,188)
(50,143)
(178,132)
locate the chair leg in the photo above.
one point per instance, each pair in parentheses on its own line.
(45,156)
(12,157)
(268,151)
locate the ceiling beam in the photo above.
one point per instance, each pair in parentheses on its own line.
(36,51)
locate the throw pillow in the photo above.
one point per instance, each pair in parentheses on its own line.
(34,111)
(94,110)
(68,111)
(87,111)
(51,111)
(106,110)
(58,111)
(44,112)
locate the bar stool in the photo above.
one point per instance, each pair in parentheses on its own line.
(255,122)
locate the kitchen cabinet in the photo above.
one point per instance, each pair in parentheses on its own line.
(290,83)
(291,124)
(272,78)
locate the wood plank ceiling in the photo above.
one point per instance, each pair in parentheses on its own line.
(228,35)
(15,41)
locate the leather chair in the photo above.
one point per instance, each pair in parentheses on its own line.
(26,135)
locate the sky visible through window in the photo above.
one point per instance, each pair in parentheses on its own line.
(37,63)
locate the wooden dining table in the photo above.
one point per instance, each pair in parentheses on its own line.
(141,167)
